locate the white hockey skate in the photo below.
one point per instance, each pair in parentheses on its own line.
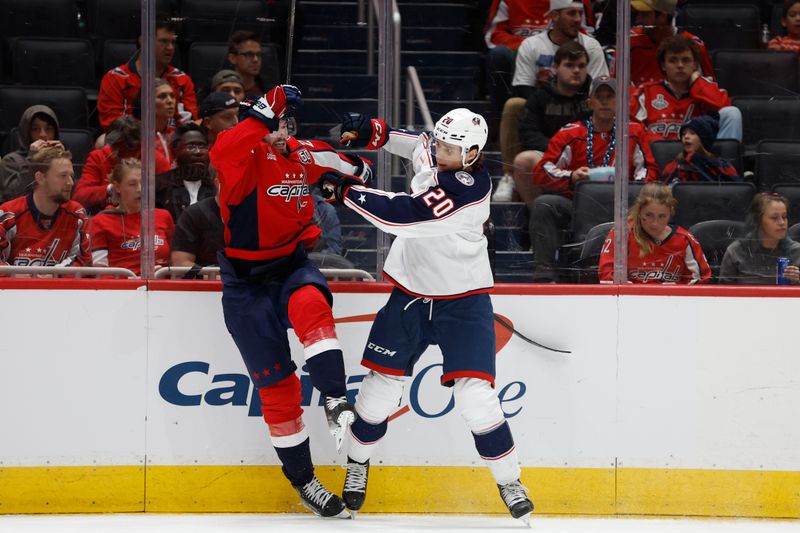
(340,415)
(320,501)
(515,496)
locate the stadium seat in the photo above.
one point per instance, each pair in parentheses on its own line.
(791,193)
(590,252)
(212,20)
(664,152)
(700,201)
(777,162)
(768,118)
(794,232)
(337,85)
(118,19)
(594,204)
(756,72)
(69,104)
(727,26)
(714,237)
(116,52)
(205,59)
(40,61)
(38,18)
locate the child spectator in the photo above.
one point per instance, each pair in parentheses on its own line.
(753,259)
(791,21)
(657,251)
(663,106)
(38,127)
(696,162)
(45,228)
(120,85)
(116,233)
(124,141)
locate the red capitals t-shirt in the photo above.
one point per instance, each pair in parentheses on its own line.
(116,239)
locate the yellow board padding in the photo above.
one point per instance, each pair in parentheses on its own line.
(685,492)
(394,489)
(72,489)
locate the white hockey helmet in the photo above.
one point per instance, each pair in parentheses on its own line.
(463,128)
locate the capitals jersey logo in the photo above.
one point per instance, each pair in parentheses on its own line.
(287,191)
(135,244)
(48,260)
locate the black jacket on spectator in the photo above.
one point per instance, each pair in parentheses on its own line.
(172,195)
(200,231)
(547,111)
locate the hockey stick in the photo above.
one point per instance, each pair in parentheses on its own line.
(510,328)
(290,43)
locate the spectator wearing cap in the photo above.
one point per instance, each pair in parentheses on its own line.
(580,151)
(509,23)
(228,81)
(244,53)
(218,112)
(38,128)
(123,141)
(655,22)
(190,181)
(663,106)
(697,162)
(120,85)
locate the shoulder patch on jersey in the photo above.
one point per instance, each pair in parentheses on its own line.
(119,72)
(465,178)
(305,156)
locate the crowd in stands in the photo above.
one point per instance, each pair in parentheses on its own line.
(548,83)
(550,77)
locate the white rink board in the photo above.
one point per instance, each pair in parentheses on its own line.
(72,377)
(682,387)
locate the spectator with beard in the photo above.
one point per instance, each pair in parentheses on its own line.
(190,181)
(44,227)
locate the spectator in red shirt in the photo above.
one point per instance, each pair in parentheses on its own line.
(696,162)
(120,85)
(116,233)
(791,21)
(45,228)
(124,141)
(657,251)
(663,106)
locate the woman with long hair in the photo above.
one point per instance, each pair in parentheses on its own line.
(116,233)
(753,260)
(658,252)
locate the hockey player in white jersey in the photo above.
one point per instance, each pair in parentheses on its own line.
(440,268)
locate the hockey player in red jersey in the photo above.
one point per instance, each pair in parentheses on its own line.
(269,285)
(440,268)
(657,251)
(45,227)
(662,106)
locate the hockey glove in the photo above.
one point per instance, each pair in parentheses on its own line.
(271,107)
(359,131)
(363,168)
(334,185)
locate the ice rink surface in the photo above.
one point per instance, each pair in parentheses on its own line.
(295,523)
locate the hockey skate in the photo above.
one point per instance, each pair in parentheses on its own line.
(355,484)
(320,501)
(340,415)
(515,496)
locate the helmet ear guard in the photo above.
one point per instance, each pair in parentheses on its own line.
(463,128)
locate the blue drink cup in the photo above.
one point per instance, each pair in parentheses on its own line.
(780,279)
